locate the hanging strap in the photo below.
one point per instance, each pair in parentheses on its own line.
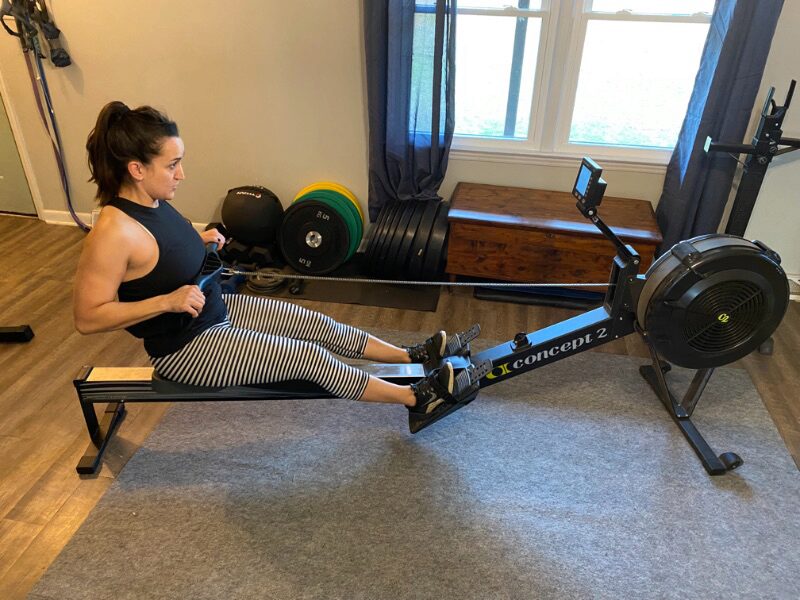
(50,123)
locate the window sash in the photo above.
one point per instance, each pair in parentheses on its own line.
(561,42)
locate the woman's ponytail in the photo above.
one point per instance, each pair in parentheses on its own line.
(122,135)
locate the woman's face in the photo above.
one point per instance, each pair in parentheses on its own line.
(163,174)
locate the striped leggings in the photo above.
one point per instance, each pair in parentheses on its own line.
(264,340)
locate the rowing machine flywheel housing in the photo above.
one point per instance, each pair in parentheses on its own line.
(712,299)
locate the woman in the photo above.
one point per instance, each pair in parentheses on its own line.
(141,257)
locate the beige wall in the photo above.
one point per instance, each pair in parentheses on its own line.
(776,216)
(266,92)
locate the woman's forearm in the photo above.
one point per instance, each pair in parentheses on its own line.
(118,315)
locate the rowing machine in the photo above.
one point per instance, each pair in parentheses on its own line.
(707,302)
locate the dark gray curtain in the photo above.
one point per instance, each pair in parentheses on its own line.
(410,58)
(697,185)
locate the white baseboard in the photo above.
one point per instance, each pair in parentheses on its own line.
(62,217)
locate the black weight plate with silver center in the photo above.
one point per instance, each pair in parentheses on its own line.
(392,263)
(420,243)
(314,237)
(434,253)
(401,261)
(376,266)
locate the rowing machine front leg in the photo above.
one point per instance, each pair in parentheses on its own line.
(681,411)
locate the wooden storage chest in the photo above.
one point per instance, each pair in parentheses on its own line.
(527,235)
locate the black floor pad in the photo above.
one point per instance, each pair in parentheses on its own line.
(409,297)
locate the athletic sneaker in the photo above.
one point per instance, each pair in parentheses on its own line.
(433,391)
(431,349)
(441,394)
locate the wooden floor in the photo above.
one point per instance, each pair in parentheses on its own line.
(43,501)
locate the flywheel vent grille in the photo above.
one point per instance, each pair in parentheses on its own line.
(724,316)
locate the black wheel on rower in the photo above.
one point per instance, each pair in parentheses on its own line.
(731,460)
(712,300)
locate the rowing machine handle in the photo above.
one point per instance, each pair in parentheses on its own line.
(212,266)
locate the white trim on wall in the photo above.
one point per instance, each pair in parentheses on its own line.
(19,139)
(63,217)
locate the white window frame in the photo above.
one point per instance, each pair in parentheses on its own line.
(564,25)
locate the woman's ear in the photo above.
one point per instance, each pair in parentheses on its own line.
(136,170)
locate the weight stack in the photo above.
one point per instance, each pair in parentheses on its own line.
(322,229)
(409,241)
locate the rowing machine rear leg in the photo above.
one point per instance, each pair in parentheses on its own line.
(100,435)
(100,432)
(681,412)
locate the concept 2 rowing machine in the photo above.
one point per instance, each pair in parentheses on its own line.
(705,303)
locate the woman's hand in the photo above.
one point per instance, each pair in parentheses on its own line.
(188,299)
(213,236)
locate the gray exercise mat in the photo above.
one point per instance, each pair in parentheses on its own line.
(568,482)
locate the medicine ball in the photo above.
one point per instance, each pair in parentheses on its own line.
(252,215)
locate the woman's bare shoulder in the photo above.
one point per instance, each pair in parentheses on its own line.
(114,226)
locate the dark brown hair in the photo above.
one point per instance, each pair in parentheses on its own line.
(120,136)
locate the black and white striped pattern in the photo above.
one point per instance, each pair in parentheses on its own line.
(266,340)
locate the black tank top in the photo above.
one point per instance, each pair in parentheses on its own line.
(180,258)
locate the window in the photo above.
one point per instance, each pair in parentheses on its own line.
(570,77)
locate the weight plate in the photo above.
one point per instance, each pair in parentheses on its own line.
(348,200)
(346,208)
(420,243)
(383,256)
(336,187)
(399,233)
(436,243)
(348,211)
(348,221)
(401,261)
(314,237)
(373,233)
(376,265)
